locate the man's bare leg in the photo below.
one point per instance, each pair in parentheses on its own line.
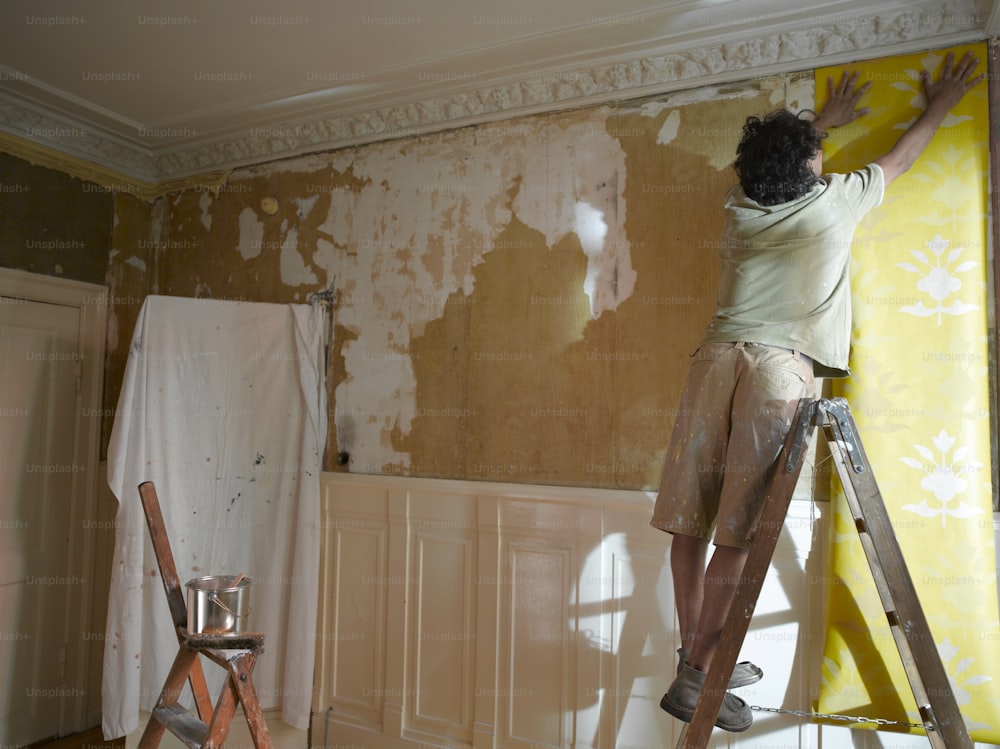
(721,579)
(687,563)
(711,592)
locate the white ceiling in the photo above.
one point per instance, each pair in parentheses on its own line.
(162,90)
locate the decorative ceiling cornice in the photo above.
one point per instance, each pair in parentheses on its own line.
(106,178)
(912,27)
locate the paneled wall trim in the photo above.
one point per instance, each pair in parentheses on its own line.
(473,614)
(468,614)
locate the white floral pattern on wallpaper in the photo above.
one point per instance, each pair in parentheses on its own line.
(944,479)
(914,86)
(939,281)
(961,681)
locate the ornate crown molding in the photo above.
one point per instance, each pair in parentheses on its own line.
(912,27)
(107,178)
(30,122)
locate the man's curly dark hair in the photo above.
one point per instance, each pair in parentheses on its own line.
(772,159)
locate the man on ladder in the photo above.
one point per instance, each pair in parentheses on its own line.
(783,317)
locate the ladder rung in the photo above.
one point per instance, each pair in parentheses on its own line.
(893,618)
(181,724)
(861,525)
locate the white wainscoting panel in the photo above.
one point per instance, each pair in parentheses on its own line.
(485,615)
(441,614)
(355,589)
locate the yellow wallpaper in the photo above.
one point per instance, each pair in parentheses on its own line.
(919,391)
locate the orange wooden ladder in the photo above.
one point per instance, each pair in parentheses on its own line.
(921,661)
(237,653)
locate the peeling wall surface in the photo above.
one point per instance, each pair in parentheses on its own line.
(514,301)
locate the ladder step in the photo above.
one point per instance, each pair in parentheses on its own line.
(181,724)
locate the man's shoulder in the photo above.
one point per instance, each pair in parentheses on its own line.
(863,188)
(868,173)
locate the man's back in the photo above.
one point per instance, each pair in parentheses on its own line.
(784,269)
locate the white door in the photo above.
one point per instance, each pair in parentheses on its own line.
(40,364)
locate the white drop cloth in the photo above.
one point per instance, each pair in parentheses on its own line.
(223,408)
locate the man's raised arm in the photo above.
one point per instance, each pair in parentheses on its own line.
(942,95)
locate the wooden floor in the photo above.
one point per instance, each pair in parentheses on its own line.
(283,736)
(92,739)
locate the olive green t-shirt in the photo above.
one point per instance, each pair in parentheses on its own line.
(784,279)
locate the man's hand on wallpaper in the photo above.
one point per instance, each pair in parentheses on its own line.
(842,102)
(953,82)
(955,79)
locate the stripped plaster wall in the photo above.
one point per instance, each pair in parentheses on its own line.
(514,301)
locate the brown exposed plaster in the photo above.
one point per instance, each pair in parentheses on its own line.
(515,381)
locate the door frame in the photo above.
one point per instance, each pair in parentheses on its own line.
(92,302)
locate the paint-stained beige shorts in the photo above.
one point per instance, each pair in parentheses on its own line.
(735,412)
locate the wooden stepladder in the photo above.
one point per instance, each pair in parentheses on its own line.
(924,669)
(236,653)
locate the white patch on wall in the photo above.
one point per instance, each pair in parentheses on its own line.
(799,94)
(205,202)
(564,167)
(405,241)
(251,239)
(338,222)
(429,210)
(592,230)
(670,127)
(136,262)
(333,236)
(325,257)
(294,271)
(306,205)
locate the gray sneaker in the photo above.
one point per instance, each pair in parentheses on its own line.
(744,674)
(681,698)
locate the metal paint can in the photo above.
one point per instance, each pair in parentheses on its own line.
(218,604)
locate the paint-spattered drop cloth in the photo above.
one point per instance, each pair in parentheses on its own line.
(223,408)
